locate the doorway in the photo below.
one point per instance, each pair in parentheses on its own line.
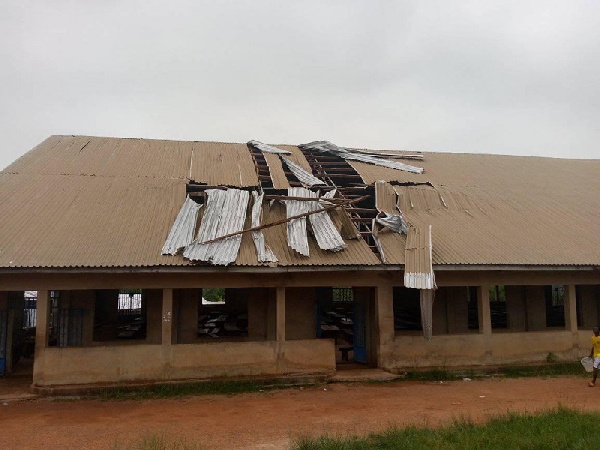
(342,315)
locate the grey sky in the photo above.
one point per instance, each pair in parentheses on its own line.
(511,77)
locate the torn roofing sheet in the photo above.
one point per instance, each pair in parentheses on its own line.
(266,148)
(326,234)
(418,266)
(225,214)
(386,201)
(182,231)
(305,177)
(325,231)
(363,156)
(264,253)
(296,228)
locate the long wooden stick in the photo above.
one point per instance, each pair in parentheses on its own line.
(279,222)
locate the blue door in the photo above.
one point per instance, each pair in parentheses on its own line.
(3,340)
(360,333)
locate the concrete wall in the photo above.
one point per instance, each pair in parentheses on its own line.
(516,307)
(84,300)
(58,366)
(261,314)
(588,295)
(300,313)
(284,313)
(477,349)
(442,351)
(508,348)
(153,315)
(186,302)
(536,308)
(451,310)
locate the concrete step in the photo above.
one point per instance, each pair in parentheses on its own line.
(363,375)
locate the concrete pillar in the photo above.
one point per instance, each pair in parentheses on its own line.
(570,308)
(153,315)
(280,328)
(167,317)
(384,313)
(280,313)
(536,308)
(41,334)
(485,319)
(483,309)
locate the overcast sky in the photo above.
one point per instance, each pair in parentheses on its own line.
(509,77)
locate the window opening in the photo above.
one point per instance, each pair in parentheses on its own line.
(120,315)
(30,310)
(407,309)
(66,323)
(472,309)
(555,306)
(498,310)
(223,314)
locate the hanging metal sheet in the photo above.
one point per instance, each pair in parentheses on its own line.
(363,156)
(264,253)
(325,231)
(306,178)
(225,214)
(418,269)
(182,231)
(266,148)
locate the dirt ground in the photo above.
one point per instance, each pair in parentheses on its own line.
(271,420)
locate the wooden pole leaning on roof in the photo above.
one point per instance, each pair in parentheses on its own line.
(279,222)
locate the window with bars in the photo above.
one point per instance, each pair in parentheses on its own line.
(66,323)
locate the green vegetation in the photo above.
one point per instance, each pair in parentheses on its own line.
(214,295)
(234,387)
(543,370)
(227,387)
(558,429)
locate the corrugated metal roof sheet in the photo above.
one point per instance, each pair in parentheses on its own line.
(304,176)
(105,202)
(182,232)
(216,163)
(225,214)
(263,251)
(87,221)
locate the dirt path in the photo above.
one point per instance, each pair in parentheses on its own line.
(271,419)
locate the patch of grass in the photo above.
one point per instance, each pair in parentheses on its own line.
(159,442)
(557,429)
(226,387)
(433,375)
(543,370)
(546,370)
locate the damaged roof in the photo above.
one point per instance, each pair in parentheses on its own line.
(78,201)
